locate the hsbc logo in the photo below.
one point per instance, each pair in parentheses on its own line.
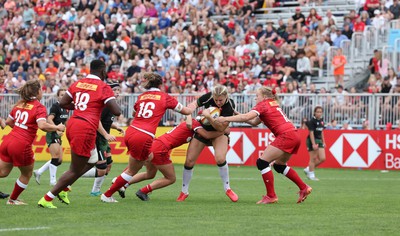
(240,148)
(355,150)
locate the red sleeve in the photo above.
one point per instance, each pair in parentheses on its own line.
(107,93)
(41,112)
(195,124)
(171,102)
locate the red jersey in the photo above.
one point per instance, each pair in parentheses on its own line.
(179,135)
(150,108)
(273,117)
(25,120)
(359,26)
(90,96)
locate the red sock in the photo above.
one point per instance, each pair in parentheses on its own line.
(119,182)
(269,183)
(48,198)
(17,191)
(146,189)
(293,176)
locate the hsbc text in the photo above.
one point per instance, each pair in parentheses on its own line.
(391,161)
(265,138)
(392,141)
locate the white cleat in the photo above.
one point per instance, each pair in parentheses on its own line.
(37,176)
(103,198)
(313,178)
(16,202)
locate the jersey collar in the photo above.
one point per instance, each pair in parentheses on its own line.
(90,76)
(154,89)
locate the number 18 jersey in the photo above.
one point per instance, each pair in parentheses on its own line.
(150,108)
(90,96)
(273,117)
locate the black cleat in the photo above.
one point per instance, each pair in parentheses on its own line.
(4,195)
(142,195)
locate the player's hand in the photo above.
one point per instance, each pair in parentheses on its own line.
(206,113)
(121,131)
(221,119)
(60,133)
(61,127)
(110,138)
(315,146)
(227,131)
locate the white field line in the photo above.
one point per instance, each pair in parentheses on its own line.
(23,229)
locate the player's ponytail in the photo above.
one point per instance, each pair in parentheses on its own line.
(268,93)
(29,91)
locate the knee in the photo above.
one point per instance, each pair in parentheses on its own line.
(151,175)
(262,164)
(280,168)
(171,179)
(189,163)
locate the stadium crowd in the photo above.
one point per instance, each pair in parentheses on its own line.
(55,41)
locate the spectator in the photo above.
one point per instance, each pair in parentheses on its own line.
(338,63)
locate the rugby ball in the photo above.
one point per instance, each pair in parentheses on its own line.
(214,111)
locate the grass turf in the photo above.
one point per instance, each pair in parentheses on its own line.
(343,202)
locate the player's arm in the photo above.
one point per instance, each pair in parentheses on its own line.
(2,123)
(254,122)
(238,118)
(114,107)
(189,122)
(66,102)
(323,138)
(219,126)
(104,133)
(10,122)
(43,125)
(119,129)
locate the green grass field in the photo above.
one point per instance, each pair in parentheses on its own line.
(344,202)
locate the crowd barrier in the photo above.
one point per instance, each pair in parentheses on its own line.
(354,109)
(344,149)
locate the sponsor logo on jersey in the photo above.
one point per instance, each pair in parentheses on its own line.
(26,106)
(150,97)
(87,86)
(274,103)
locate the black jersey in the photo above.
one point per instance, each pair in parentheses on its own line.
(207,101)
(317,126)
(106,119)
(60,114)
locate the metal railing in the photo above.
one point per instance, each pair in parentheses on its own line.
(378,109)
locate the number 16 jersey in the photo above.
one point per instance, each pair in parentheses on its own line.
(150,108)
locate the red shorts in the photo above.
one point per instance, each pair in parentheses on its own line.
(19,153)
(81,137)
(288,142)
(138,144)
(160,153)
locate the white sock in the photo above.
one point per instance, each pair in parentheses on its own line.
(307,169)
(224,173)
(90,173)
(187,177)
(53,173)
(98,182)
(43,168)
(311,174)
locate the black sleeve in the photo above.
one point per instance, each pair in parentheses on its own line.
(311,125)
(201,101)
(54,110)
